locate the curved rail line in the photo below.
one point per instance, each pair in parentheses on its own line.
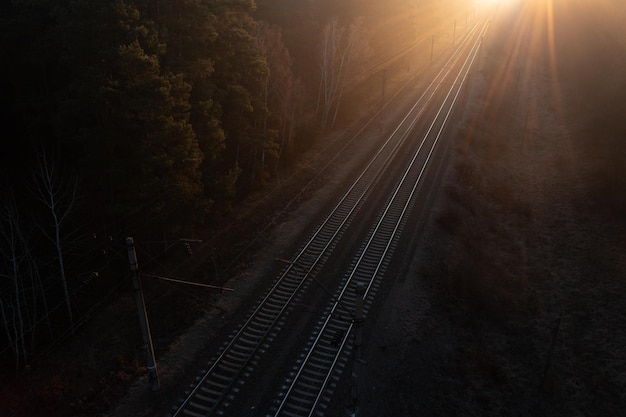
(238,357)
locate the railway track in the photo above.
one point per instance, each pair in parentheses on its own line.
(309,388)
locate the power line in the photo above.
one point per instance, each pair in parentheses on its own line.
(194,296)
(180,281)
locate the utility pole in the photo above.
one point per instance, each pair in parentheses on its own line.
(454,34)
(432,48)
(382,101)
(143,316)
(358,340)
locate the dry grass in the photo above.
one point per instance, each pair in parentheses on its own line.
(530,286)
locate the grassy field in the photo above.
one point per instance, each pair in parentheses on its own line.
(529,287)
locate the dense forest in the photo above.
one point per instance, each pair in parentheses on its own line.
(154,118)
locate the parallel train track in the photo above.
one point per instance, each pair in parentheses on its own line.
(308,390)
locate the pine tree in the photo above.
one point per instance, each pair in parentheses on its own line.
(135,136)
(240,74)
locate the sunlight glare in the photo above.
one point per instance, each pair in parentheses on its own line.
(491,3)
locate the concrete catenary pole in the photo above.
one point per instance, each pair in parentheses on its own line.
(143,316)
(358,340)
(432,49)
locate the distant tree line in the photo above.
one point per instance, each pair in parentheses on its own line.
(152,117)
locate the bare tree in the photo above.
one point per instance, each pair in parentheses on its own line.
(13,305)
(328,76)
(58,196)
(23,303)
(341,50)
(284,92)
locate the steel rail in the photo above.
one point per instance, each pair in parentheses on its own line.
(237,356)
(324,354)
